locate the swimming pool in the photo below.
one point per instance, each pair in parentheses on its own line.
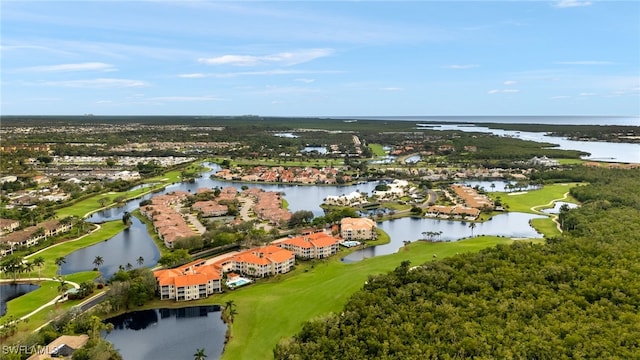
(350,243)
(238,282)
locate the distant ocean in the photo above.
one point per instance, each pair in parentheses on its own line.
(553,120)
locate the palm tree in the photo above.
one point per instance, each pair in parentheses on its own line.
(126,218)
(98,261)
(129,266)
(59,261)
(230,310)
(199,355)
(140,261)
(27,267)
(62,287)
(472,226)
(39,261)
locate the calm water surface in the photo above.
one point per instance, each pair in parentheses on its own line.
(168,334)
(598,150)
(124,248)
(513,224)
(9,292)
(299,197)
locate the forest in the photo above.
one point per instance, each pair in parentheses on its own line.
(576,296)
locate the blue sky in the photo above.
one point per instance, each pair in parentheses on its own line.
(325,58)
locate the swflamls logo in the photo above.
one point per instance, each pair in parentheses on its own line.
(25,349)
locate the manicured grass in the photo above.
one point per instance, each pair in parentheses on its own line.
(107,231)
(524,202)
(86,206)
(276,308)
(377,150)
(545,226)
(47,291)
(570,161)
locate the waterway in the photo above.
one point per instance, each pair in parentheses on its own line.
(299,197)
(9,292)
(122,249)
(598,150)
(512,225)
(168,334)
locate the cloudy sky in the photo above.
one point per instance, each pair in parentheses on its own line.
(325,58)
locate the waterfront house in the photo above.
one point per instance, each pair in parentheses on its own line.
(191,281)
(312,246)
(358,229)
(261,262)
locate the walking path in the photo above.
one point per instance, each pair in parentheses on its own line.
(64,242)
(52,302)
(554,217)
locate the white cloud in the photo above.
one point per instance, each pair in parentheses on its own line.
(587,94)
(261,73)
(509,82)
(391,89)
(87,66)
(585,62)
(571,3)
(192,76)
(98,83)
(503,91)
(306,81)
(283,58)
(461,66)
(185,98)
(560,97)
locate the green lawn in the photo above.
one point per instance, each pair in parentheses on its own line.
(83,207)
(546,226)
(107,231)
(272,309)
(570,161)
(524,202)
(377,149)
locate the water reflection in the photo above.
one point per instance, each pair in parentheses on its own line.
(169,334)
(299,197)
(124,248)
(514,225)
(9,292)
(557,205)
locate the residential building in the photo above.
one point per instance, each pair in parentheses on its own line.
(313,246)
(61,348)
(210,208)
(192,281)
(261,262)
(457,211)
(8,225)
(32,235)
(358,229)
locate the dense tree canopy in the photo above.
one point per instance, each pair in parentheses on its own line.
(578,296)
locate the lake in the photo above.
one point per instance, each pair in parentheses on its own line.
(512,225)
(9,292)
(122,249)
(168,334)
(299,197)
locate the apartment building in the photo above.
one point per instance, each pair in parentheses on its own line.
(358,229)
(195,280)
(313,246)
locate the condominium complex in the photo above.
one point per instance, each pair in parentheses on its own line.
(358,229)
